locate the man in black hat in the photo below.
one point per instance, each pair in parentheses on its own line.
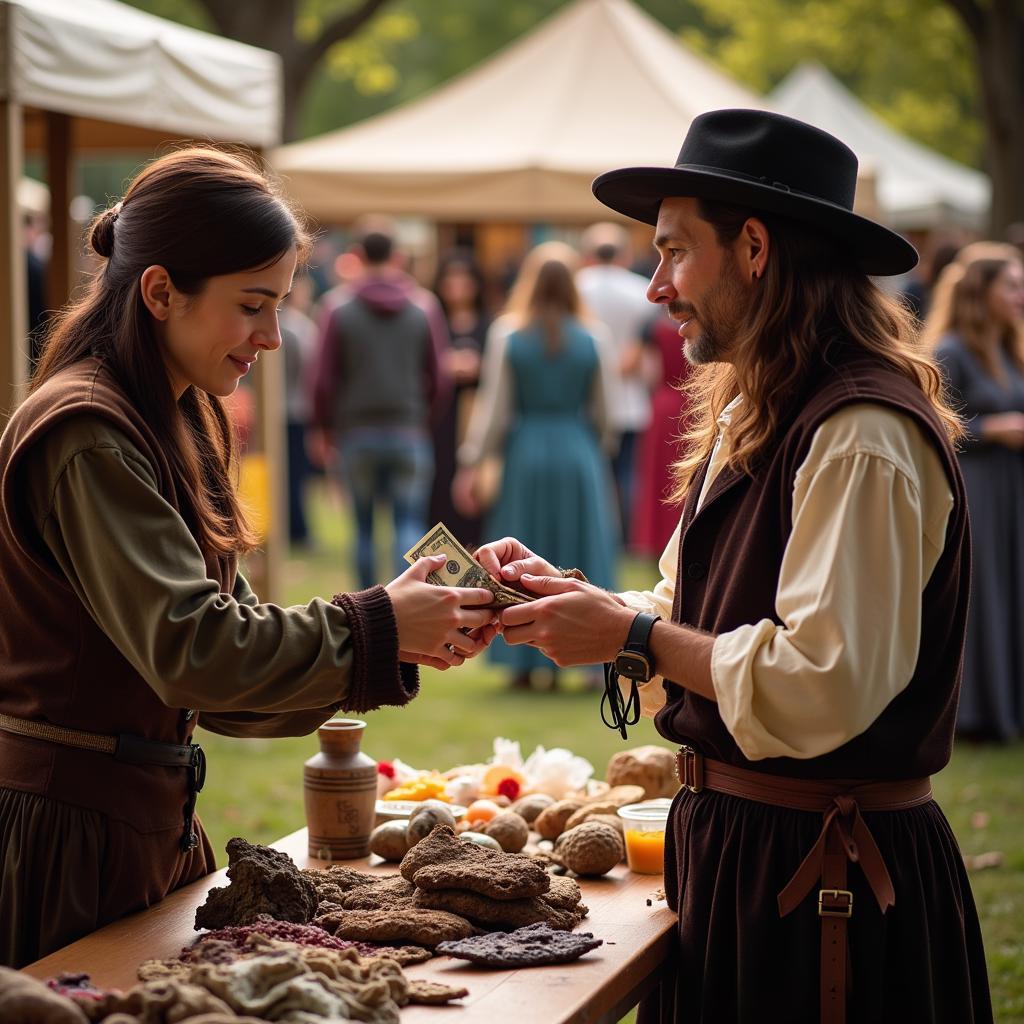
(803,647)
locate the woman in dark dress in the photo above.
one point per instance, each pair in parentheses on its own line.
(460,289)
(977,328)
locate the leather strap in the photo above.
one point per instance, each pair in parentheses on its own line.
(844,837)
(131,750)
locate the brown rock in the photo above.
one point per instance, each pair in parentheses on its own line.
(592,848)
(532,946)
(502,913)
(263,881)
(651,767)
(528,807)
(443,861)
(550,823)
(394,894)
(509,829)
(415,924)
(434,993)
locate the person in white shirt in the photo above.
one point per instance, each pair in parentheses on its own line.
(618,298)
(804,645)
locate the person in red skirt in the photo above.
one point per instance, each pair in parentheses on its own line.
(804,645)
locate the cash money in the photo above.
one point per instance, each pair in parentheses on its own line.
(461,569)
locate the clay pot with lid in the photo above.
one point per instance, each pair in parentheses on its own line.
(340,789)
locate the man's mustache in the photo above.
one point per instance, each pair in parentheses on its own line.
(681,309)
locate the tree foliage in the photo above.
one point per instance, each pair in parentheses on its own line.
(911,62)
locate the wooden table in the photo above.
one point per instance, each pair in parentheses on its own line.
(597,989)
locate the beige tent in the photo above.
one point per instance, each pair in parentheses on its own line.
(87,75)
(917,188)
(520,137)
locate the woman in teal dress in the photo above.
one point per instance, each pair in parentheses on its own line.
(542,407)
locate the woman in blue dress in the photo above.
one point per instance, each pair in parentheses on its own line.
(542,407)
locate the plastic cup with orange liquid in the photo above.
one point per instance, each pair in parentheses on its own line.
(644,827)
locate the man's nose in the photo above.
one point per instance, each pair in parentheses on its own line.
(660,289)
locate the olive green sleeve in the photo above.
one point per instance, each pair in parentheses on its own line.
(138,571)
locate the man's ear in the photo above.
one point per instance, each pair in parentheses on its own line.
(156,289)
(754,243)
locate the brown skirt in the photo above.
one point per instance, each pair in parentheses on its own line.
(66,871)
(738,962)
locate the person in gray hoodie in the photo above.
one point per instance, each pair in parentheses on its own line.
(376,388)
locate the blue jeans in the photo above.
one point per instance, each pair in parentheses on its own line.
(389,464)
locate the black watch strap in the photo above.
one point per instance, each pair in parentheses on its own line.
(640,633)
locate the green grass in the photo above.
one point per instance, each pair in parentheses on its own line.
(254,787)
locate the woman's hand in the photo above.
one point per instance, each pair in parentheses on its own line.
(507,559)
(439,626)
(572,623)
(1006,428)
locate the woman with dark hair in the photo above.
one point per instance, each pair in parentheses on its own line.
(459,287)
(544,401)
(124,620)
(976,328)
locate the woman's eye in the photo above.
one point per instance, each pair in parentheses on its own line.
(251,310)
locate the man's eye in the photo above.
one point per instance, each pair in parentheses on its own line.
(251,310)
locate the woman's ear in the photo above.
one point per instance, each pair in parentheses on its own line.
(754,244)
(156,288)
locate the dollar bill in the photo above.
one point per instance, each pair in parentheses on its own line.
(461,569)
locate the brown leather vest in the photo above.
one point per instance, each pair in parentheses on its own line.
(730,556)
(56,665)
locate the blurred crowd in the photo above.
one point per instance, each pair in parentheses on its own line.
(555,414)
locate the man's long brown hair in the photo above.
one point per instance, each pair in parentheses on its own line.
(199,213)
(809,295)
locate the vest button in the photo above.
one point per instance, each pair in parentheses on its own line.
(696,571)
(189,714)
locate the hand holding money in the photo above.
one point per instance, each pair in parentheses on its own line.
(461,569)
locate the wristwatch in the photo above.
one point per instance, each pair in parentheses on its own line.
(635,660)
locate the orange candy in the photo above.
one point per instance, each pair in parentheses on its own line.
(482,810)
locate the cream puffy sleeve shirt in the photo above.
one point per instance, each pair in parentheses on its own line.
(870,507)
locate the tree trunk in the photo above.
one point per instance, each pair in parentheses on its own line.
(270,25)
(997,29)
(1001,71)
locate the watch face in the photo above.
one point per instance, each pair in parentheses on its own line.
(633,666)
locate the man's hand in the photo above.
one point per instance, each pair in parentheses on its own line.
(439,626)
(572,623)
(507,559)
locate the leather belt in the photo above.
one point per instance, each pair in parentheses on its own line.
(844,837)
(130,749)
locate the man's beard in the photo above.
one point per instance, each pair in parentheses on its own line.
(723,307)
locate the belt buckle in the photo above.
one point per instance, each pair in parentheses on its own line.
(197,763)
(842,908)
(690,768)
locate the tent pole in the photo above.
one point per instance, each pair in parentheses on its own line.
(59,163)
(13,287)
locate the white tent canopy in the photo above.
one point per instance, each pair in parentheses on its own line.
(105,60)
(520,137)
(916,187)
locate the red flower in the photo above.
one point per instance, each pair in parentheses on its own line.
(386,768)
(509,788)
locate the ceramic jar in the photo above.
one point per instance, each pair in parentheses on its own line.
(340,788)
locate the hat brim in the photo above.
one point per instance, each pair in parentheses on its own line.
(637,192)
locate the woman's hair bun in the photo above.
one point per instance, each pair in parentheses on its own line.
(102,237)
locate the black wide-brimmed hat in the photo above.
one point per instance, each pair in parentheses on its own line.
(766,162)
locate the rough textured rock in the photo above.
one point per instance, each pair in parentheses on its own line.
(423,927)
(443,861)
(550,823)
(592,848)
(510,829)
(263,881)
(532,946)
(23,998)
(651,767)
(502,913)
(434,993)
(395,894)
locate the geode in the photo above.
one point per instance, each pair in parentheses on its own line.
(533,946)
(263,881)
